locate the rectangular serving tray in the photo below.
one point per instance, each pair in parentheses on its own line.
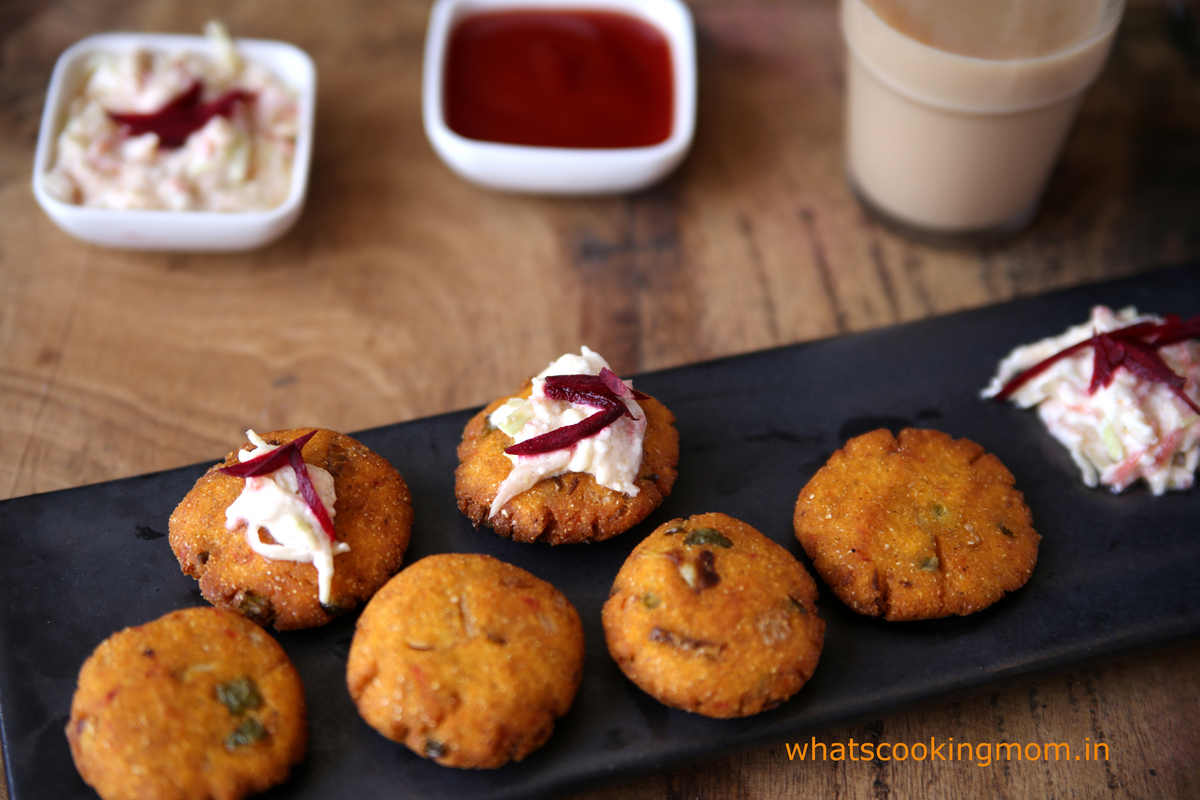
(1115,573)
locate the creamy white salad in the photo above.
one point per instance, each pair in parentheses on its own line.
(1132,429)
(239,161)
(273,503)
(611,456)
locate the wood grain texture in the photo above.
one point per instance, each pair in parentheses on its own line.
(405,291)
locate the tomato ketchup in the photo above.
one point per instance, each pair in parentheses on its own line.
(559,78)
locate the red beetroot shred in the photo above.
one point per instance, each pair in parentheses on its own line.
(588,390)
(603,391)
(619,386)
(1134,347)
(566,436)
(283,456)
(182,116)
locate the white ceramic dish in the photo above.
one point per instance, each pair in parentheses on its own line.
(175,230)
(563,170)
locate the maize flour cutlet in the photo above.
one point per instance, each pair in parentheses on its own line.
(372,518)
(585,487)
(916,526)
(201,703)
(466,660)
(709,615)
(567,508)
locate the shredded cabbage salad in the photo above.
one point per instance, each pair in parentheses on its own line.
(1133,429)
(239,162)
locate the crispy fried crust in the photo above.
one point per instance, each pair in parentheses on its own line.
(466,660)
(147,722)
(572,507)
(373,515)
(917,527)
(720,631)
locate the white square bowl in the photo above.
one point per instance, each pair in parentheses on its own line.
(211,231)
(563,170)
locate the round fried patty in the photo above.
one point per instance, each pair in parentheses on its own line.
(466,660)
(709,615)
(916,527)
(373,515)
(201,703)
(571,507)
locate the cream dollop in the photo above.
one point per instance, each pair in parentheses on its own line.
(612,456)
(273,503)
(1132,429)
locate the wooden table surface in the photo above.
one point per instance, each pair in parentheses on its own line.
(405,291)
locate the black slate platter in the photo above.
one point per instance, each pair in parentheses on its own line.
(1115,573)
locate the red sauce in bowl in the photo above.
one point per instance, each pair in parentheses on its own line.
(586,79)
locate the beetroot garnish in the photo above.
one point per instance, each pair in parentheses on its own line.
(309,493)
(1175,331)
(267,462)
(584,390)
(1108,353)
(1145,362)
(182,116)
(618,386)
(1134,347)
(1037,369)
(568,435)
(282,456)
(595,391)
